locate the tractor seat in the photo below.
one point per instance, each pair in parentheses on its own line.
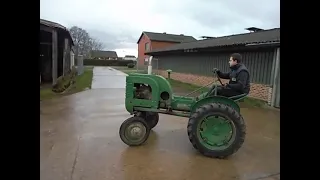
(238,97)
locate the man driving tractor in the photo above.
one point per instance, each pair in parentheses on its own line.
(239,78)
(215,126)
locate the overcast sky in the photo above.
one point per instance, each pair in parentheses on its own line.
(119,23)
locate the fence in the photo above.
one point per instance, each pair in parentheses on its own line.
(155,66)
(80,67)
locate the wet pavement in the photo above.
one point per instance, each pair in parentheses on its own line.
(79,140)
(107,77)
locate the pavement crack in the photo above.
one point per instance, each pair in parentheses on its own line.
(51,147)
(75,159)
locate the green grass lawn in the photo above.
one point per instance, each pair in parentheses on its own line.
(185,88)
(82,82)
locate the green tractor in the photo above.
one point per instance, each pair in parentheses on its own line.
(215,128)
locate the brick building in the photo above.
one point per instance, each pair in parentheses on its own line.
(149,41)
(192,62)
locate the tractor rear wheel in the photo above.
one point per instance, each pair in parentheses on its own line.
(134,131)
(216,130)
(152,118)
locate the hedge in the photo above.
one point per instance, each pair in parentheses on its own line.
(94,62)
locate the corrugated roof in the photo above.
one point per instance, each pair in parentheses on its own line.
(111,54)
(56,25)
(153,36)
(52,24)
(265,36)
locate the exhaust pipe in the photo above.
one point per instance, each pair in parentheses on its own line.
(150,65)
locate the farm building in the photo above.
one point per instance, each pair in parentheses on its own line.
(55,51)
(193,62)
(151,40)
(104,55)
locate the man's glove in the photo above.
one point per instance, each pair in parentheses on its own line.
(215,70)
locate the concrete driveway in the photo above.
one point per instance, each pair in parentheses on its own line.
(107,77)
(79,141)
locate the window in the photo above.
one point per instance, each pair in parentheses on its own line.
(147,47)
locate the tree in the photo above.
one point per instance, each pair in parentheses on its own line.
(83,43)
(97,45)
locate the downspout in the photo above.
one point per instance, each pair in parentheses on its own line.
(276,78)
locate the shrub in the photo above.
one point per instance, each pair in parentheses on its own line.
(63,82)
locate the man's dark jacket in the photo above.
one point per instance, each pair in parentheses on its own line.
(239,78)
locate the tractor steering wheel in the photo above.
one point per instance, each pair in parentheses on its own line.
(215,70)
(219,79)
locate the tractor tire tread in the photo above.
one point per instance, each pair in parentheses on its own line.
(234,116)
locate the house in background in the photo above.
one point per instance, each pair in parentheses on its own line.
(193,62)
(149,41)
(55,51)
(104,55)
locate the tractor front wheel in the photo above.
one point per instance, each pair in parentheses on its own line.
(134,131)
(152,119)
(216,130)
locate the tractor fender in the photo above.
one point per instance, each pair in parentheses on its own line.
(215,99)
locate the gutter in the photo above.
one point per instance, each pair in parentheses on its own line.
(264,44)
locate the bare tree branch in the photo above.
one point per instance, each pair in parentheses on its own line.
(83,42)
(97,45)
